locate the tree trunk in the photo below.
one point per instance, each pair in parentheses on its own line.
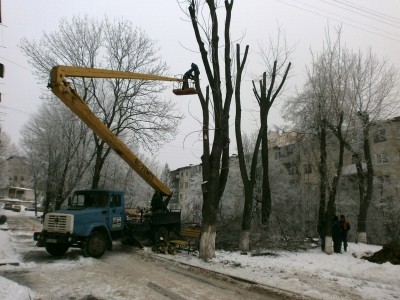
(323,221)
(213,177)
(99,160)
(365,193)
(266,188)
(328,245)
(244,243)
(207,242)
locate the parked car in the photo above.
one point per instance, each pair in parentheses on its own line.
(8,205)
(17,208)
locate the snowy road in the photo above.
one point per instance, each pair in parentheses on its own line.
(124,273)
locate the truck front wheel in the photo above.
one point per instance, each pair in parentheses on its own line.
(56,249)
(95,245)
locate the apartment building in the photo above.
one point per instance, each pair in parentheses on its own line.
(18,180)
(300,156)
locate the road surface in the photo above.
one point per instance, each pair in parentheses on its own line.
(124,273)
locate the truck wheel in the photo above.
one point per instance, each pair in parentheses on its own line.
(95,245)
(161,234)
(56,249)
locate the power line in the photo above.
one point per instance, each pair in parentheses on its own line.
(352,20)
(371,11)
(7,107)
(17,64)
(356,10)
(338,20)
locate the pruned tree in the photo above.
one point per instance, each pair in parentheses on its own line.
(270,87)
(131,109)
(265,99)
(215,159)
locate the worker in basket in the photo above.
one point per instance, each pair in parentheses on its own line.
(190,74)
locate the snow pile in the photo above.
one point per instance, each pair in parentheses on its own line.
(10,290)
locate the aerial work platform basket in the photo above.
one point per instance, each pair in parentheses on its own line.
(184,92)
(184,88)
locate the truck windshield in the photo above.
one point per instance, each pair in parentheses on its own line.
(93,199)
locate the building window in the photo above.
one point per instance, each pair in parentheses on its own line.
(307,169)
(384,179)
(186,185)
(291,168)
(289,150)
(278,154)
(181,185)
(380,136)
(398,132)
(181,173)
(382,158)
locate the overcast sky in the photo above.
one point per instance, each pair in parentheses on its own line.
(366,23)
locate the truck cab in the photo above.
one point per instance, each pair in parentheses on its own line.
(91,221)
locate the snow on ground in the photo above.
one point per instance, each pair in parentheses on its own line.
(312,273)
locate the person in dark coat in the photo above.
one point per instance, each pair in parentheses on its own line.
(345,226)
(336,235)
(194,71)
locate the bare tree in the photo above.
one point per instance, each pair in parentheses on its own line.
(374,97)
(58,148)
(341,92)
(321,106)
(6,149)
(129,108)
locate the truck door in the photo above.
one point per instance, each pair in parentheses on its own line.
(116,213)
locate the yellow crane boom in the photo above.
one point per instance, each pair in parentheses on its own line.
(63,90)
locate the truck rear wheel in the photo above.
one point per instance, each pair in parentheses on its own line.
(161,234)
(56,249)
(95,245)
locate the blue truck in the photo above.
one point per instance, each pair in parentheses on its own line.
(94,218)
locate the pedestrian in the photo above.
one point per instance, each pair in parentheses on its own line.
(336,235)
(345,226)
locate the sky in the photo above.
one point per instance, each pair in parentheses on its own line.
(311,273)
(365,23)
